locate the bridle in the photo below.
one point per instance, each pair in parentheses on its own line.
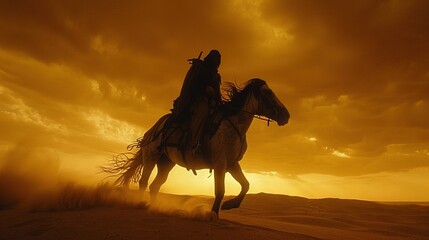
(268,120)
(257,116)
(254,115)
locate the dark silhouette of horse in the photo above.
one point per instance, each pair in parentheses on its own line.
(221,151)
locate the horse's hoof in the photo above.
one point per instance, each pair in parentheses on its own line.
(213,216)
(230,204)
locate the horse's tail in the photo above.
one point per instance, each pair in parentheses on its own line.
(128,166)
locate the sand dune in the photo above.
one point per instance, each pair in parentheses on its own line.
(334,218)
(123,223)
(78,212)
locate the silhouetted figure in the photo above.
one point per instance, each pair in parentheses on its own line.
(199,96)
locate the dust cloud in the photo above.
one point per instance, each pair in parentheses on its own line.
(31,179)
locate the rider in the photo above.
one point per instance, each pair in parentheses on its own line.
(199,95)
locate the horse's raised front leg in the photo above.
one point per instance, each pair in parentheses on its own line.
(238,175)
(164,167)
(219,178)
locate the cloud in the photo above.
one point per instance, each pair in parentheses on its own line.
(87,76)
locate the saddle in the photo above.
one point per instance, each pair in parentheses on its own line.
(176,132)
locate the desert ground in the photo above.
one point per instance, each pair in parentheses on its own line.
(102,212)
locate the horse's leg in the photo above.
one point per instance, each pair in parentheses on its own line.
(148,165)
(238,175)
(164,167)
(219,178)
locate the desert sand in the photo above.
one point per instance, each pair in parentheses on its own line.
(77,212)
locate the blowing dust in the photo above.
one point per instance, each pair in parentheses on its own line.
(31,179)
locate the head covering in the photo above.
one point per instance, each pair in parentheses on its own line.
(213,58)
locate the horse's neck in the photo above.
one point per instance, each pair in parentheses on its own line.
(243,119)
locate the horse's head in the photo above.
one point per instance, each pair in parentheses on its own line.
(268,105)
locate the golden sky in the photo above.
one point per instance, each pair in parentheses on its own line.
(82,79)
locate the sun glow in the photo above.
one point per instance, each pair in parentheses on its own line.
(185,182)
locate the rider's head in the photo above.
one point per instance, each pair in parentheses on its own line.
(213,58)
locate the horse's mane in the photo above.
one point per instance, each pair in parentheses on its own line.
(236,95)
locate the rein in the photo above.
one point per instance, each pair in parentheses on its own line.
(257,116)
(268,120)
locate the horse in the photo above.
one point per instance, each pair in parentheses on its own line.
(222,151)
